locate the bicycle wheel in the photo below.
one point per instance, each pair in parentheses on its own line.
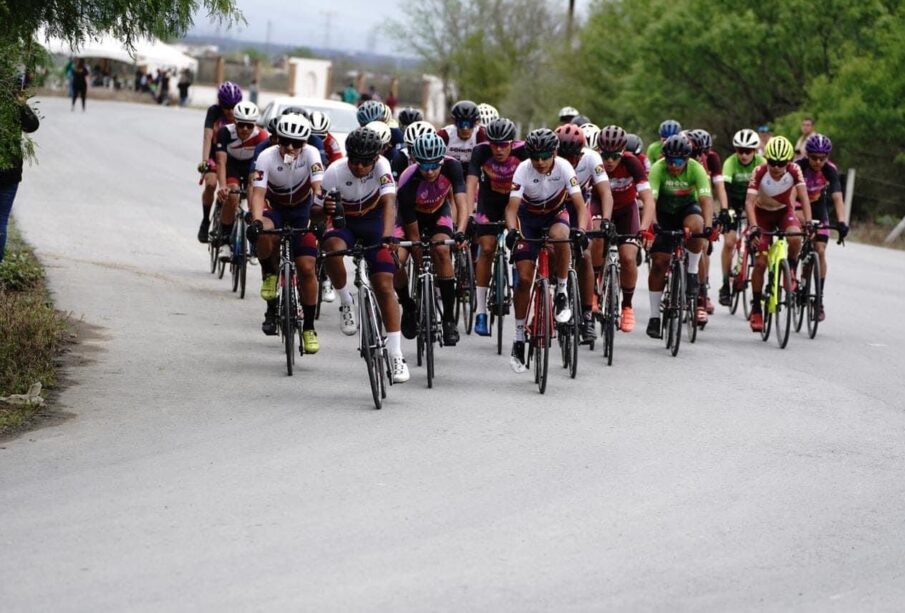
(543,331)
(429,322)
(368,346)
(213,246)
(466,290)
(784,304)
(287,316)
(321,273)
(813,296)
(610,306)
(768,316)
(749,272)
(737,270)
(799,296)
(574,326)
(500,297)
(675,306)
(691,324)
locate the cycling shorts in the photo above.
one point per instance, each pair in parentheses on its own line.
(438,222)
(672,221)
(303,245)
(532,226)
(369,230)
(770,221)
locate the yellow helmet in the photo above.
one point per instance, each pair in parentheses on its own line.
(779,149)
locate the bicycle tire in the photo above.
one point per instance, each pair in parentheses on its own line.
(768,317)
(430,319)
(691,324)
(501,279)
(611,306)
(735,274)
(320,271)
(814,297)
(675,306)
(543,332)
(287,326)
(799,305)
(213,246)
(367,347)
(784,304)
(468,296)
(575,324)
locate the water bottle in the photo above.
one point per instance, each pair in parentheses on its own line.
(339,213)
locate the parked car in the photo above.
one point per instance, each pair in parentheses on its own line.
(342,114)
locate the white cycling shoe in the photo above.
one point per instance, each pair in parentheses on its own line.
(348,324)
(328,293)
(399,369)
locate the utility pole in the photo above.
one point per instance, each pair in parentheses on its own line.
(571,19)
(328,20)
(267,40)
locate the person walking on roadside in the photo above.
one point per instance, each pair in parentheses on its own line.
(79,83)
(11,169)
(185,81)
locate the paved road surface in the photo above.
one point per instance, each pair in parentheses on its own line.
(193,474)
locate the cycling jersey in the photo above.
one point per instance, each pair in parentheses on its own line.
(774,194)
(417,196)
(644,160)
(332,149)
(627,180)
(654,151)
(673,193)
(818,181)
(542,194)
(494,178)
(713,165)
(288,184)
(362,195)
(239,153)
(737,177)
(458,148)
(215,118)
(590,172)
(400,162)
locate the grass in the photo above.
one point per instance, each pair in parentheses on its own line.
(34,334)
(874,233)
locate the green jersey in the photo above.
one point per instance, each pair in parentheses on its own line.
(654,150)
(736,177)
(675,192)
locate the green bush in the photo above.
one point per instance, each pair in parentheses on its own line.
(20,271)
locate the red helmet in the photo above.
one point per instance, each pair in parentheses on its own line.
(571,139)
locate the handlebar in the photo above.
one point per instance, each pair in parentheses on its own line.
(427,244)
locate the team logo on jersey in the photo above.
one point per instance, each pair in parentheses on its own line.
(386,179)
(599,170)
(573,182)
(516,187)
(259,175)
(317,168)
(279,169)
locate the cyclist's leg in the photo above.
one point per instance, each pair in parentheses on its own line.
(524,255)
(659,262)
(441,228)
(207,201)
(628,221)
(336,240)
(790,223)
(559,230)
(486,239)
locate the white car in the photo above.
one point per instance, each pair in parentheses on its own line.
(342,115)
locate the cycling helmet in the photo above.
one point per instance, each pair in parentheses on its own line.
(542,140)
(818,143)
(428,147)
(382,130)
(272,125)
(416,129)
(634,144)
(246,112)
(571,139)
(369,111)
(408,116)
(487,113)
(669,127)
(465,110)
(294,126)
(387,114)
(363,143)
(701,141)
(746,139)
(320,123)
(676,146)
(580,120)
(591,134)
(612,139)
(566,113)
(296,110)
(229,94)
(779,149)
(500,129)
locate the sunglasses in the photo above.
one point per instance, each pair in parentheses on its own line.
(777,163)
(611,155)
(291,142)
(228,108)
(675,161)
(353,161)
(464,125)
(542,155)
(817,158)
(429,165)
(240,125)
(744,151)
(500,143)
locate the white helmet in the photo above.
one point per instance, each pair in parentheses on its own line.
(591,132)
(383,131)
(246,112)
(743,139)
(320,123)
(387,113)
(488,113)
(568,111)
(416,129)
(294,126)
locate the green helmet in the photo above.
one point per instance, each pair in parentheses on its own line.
(779,149)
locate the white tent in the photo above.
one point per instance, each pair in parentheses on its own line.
(148,52)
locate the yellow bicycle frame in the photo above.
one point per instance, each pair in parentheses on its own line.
(778,252)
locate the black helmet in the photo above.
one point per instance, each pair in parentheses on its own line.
(542,140)
(500,129)
(676,146)
(701,141)
(363,143)
(580,120)
(465,110)
(408,116)
(634,144)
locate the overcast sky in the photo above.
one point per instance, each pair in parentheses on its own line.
(354,24)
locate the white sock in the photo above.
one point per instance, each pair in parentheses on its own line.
(561,285)
(655,303)
(345,295)
(520,330)
(694,261)
(482,299)
(394,344)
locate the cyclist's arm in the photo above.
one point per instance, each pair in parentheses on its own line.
(581,208)
(705,194)
(221,170)
(459,191)
(256,202)
(801,193)
(512,212)
(839,205)
(389,213)
(206,144)
(650,208)
(471,192)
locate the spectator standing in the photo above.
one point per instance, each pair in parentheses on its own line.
(764,133)
(68,72)
(11,176)
(253,91)
(185,81)
(80,76)
(391,101)
(807,128)
(350,94)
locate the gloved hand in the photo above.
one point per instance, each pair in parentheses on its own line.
(713,234)
(511,237)
(202,167)
(647,235)
(724,218)
(580,238)
(843,230)
(252,232)
(459,237)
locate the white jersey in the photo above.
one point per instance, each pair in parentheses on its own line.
(542,194)
(458,148)
(590,170)
(288,184)
(359,196)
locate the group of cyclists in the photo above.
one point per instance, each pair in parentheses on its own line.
(576,186)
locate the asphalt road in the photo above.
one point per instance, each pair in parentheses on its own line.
(193,474)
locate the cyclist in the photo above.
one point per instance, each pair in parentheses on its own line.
(540,187)
(426,197)
(667,128)
(492,166)
(629,183)
(368,194)
(408,116)
(402,158)
(374,110)
(595,186)
(681,189)
(385,134)
(737,173)
(320,127)
(287,178)
(567,114)
(487,113)
(218,115)
(591,135)
(465,131)
(770,206)
(635,146)
(236,144)
(822,181)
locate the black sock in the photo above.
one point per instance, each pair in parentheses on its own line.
(793,263)
(448,295)
(226,230)
(404,298)
(627,294)
(207,212)
(308,313)
(822,285)
(755,305)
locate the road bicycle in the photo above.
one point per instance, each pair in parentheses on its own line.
(466,300)
(778,299)
(740,269)
(607,287)
(371,337)
(676,306)
(499,295)
(809,293)
(238,264)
